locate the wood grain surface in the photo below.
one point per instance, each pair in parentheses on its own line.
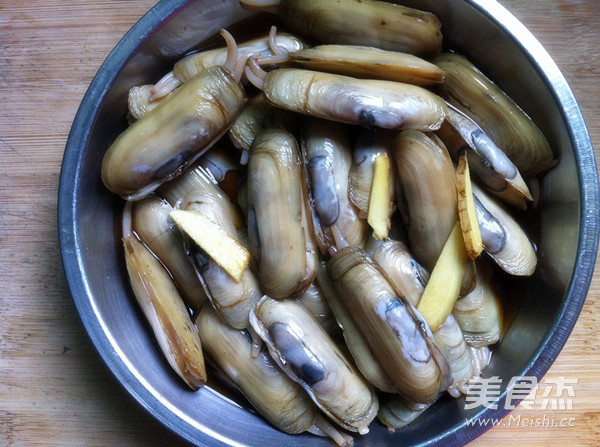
(54,389)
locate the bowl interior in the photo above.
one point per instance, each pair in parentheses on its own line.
(545,306)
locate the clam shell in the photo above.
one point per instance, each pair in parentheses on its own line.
(427,193)
(479,314)
(161,144)
(327,154)
(150,220)
(308,355)
(279,231)
(504,240)
(393,329)
(505,122)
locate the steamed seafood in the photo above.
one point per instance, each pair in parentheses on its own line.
(507,125)
(278,225)
(293,242)
(397,336)
(278,398)
(367,102)
(163,308)
(381,24)
(166,140)
(306,353)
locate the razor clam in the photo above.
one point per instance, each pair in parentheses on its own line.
(355,342)
(327,154)
(163,307)
(191,65)
(380,24)
(138,101)
(450,341)
(369,62)
(278,226)
(150,221)
(195,179)
(315,301)
(369,145)
(427,196)
(231,299)
(220,163)
(270,391)
(398,337)
(482,356)
(479,314)
(166,140)
(492,167)
(491,108)
(224,167)
(367,102)
(242,201)
(503,238)
(256,116)
(396,413)
(410,278)
(302,348)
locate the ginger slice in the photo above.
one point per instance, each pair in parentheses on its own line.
(228,253)
(466,209)
(380,206)
(443,287)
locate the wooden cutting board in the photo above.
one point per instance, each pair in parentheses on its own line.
(54,389)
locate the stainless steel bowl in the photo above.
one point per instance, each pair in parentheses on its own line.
(548,303)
